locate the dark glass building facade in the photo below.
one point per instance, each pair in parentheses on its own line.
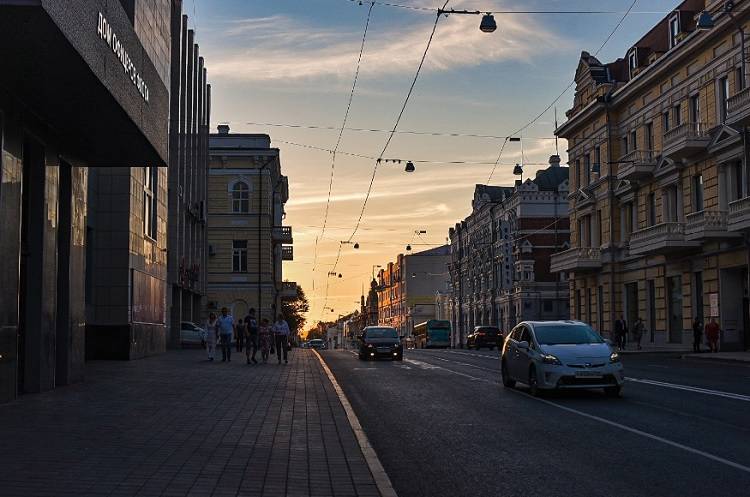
(83,99)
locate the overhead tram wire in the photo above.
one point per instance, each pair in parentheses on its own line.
(526,12)
(388,141)
(341,134)
(406,132)
(539,116)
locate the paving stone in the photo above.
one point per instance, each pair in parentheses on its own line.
(177,425)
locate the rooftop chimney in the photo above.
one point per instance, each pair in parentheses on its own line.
(554,161)
(223,129)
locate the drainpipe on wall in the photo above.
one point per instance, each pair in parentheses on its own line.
(611,194)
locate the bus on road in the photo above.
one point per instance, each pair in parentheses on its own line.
(432,334)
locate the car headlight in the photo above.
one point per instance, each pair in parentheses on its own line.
(550,359)
(614,357)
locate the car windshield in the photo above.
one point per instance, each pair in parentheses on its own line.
(566,335)
(381,333)
(316,341)
(489,331)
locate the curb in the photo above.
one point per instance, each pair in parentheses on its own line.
(371,458)
(709,358)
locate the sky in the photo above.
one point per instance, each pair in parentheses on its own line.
(293,62)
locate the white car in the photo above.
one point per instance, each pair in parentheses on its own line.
(549,355)
(192,334)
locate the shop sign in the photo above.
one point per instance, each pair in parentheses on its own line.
(106,33)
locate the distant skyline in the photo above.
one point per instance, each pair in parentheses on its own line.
(290,62)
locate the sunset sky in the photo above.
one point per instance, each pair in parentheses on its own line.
(293,62)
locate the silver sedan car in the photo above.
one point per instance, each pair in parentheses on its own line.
(549,355)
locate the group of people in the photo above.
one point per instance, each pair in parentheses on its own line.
(711,330)
(248,334)
(621,333)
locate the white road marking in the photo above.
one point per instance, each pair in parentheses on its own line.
(688,388)
(467,364)
(644,434)
(635,431)
(425,365)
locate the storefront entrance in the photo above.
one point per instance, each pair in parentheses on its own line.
(733,309)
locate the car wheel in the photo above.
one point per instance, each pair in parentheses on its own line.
(613,391)
(508,382)
(361,356)
(533,383)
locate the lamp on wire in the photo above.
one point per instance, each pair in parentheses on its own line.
(488,24)
(409,167)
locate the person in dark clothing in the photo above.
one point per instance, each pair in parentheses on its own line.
(621,333)
(239,334)
(251,332)
(697,334)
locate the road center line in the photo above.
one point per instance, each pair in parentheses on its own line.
(425,365)
(467,364)
(688,388)
(644,434)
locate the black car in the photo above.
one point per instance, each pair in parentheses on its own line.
(380,341)
(484,336)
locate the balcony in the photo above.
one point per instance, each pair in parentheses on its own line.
(288,290)
(660,239)
(282,234)
(287,253)
(636,165)
(738,108)
(738,218)
(706,224)
(686,140)
(577,260)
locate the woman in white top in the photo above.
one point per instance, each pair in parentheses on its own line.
(211,332)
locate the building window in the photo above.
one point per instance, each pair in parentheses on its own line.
(625,149)
(239,256)
(723,98)
(587,169)
(674,30)
(698,193)
(695,109)
(649,136)
(739,79)
(633,61)
(651,209)
(150,189)
(665,122)
(677,115)
(633,140)
(598,158)
(240,198)
(577,173)
(627,221)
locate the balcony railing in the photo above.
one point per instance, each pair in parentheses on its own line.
(687,139)
(706,224)
(288,290)
(661,238)
(636,165)
(738,108)
(738,218)
(287,253)
(577,259)
(282,234)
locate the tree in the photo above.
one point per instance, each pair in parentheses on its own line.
(294,311)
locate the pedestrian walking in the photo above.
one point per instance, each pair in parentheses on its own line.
(225,326)
(251,336)
(264,339)
(239,334)
(712,335)
(638,329)
(621,333)
(211,332)
(281,334)
(697,334)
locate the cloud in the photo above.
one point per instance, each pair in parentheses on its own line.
(284,48)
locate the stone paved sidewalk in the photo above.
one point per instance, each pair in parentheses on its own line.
(177,425)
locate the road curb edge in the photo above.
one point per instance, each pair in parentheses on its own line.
(381,478)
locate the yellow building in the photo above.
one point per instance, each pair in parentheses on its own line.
(659,203)
(247,243)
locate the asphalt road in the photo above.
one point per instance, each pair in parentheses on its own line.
(443,425)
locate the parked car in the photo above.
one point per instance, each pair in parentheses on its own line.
(548,355)
(317,343)
(484,336)
(380,341)
(192,334)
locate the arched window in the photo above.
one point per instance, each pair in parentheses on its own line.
(240,197)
